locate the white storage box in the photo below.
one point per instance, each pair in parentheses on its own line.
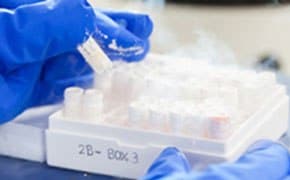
(123,152)
(24,137)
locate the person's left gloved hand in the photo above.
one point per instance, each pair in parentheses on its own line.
(265,160)
(38,57)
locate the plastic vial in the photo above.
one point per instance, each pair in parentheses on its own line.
(217,79)
(229,95)
(197,93)
(193,124)
(156,87)
(103,81)
(211,90)
(249,93)
(95,56)
(267,81)
(231,101)
(120,88)
(157,118)
(92,105)
(138,115)
(270,77)
(137,85)
(175,117)
(219,125)
(72,102)
(175,122)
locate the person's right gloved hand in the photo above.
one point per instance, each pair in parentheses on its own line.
(38,47)
(265,160)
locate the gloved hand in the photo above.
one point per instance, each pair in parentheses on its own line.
(38,56)
(264,160)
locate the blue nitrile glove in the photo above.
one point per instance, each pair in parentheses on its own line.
(265,160)
(38,57)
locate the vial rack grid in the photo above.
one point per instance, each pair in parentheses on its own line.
(94,138)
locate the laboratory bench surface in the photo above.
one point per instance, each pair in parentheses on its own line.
(15,169)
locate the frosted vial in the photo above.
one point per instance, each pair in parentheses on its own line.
(230,98)
(154,86)
(95,56)
(121,85)
(249,98)
(72,102)
(92,105)
(137,86)
(269,77)
(248,74)
(197,93)
(219,125)
(193,124)
(157,118)
(103,81)
(217,79)
(175,117)
(138,115)
(267,82)
(175,122)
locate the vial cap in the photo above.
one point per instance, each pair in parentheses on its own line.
(73,94)
(93,97)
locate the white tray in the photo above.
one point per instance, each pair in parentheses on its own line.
(23,137)
(122,152)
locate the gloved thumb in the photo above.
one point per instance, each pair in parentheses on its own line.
(169,162)
(264,160)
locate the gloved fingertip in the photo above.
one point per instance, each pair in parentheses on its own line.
(170,151)
(145,30)
(136,57)
(260,145)
(170,161)
(264,156)
(141,25)
(150,27)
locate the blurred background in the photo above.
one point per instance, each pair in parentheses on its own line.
(246,32)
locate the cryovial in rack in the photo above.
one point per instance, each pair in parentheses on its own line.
(136,86)
(266,81)
(158,117)
(218,122)
(267,76)
(154,86)
(103,81)
(95,56)
(195,93)
(193,122)
(92,105)
(248,93)
(175,122)
(72,102)
(137,114)
(230,98)
(217,79)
